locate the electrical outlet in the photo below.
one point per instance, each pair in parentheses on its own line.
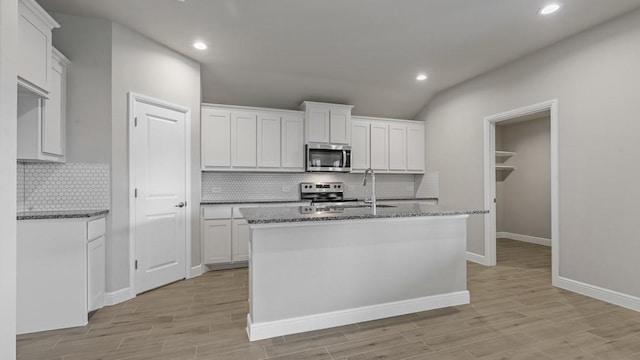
(216,190)
(286,189)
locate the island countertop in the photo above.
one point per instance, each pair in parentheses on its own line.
(310,213)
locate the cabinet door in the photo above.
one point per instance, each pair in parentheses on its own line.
(379,146)
(216,138)
(339,126)
(318,125)
(415,148)
(240,243)
(269,141)
(397,147)
(360,145)
(243,140)
(293,142)
(216,241)
(53,122)
(34,48)
(96,273)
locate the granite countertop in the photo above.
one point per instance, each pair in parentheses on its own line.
(60,214)
(231,202)
(309,213)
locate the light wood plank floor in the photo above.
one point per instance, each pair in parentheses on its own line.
(515,314)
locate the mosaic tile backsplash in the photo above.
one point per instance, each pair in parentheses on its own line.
(46,186)
(237,186)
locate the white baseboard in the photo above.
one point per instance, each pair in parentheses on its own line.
(118,296)
(610,296)
(524,238)
(343,317)
(478,259)
(195,271)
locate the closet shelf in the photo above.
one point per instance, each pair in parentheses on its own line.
(505,167)
(505,153)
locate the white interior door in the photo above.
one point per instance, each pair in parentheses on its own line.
(160,182)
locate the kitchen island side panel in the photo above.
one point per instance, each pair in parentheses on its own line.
(300,272)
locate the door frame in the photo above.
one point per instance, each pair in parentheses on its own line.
(490,180)
(132,99)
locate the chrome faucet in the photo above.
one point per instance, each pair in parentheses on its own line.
(373,188)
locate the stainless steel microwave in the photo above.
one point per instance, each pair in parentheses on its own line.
(328,157)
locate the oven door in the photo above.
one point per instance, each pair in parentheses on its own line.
(329,158)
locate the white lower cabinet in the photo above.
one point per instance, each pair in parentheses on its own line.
(96,273)
(240,240)
(216,236)
(225,234)
(60,272)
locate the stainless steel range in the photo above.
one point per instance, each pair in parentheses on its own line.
(329,197)
(327,192)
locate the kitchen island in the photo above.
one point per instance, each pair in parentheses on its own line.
(313,268)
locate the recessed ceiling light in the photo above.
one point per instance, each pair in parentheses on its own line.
(549,9)
(421,77)
(200,45)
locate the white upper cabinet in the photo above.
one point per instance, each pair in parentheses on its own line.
(269,134)
(416,148)
(243,140)
(42,122)
(251,139)
(293,142)
(34,47)
(327,123)
(397,147)
(216,138)
(387,145)
(380,146)
(360,145)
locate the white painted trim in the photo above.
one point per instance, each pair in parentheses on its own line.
(250,108)
(610,296)
(133,98)
(490,180)
(118,296)
(337,318)
(524,238)
(196,271)
(478,259)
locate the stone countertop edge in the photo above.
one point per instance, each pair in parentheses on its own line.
(255,220)
(60,214)
(231,202)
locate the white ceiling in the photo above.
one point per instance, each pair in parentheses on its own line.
(367,53)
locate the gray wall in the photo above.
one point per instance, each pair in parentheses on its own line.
(524,202)
(108,61)
(8,138)
(145,67)
(87,44)
(595,77)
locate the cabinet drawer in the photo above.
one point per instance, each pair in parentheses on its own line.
(95,228)
(216,212)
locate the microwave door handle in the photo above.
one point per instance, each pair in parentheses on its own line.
(344,158)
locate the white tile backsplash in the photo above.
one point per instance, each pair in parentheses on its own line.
(238,186)
(47,186)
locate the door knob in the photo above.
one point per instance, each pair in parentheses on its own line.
(181,204)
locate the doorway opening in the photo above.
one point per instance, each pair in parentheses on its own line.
(540,226)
